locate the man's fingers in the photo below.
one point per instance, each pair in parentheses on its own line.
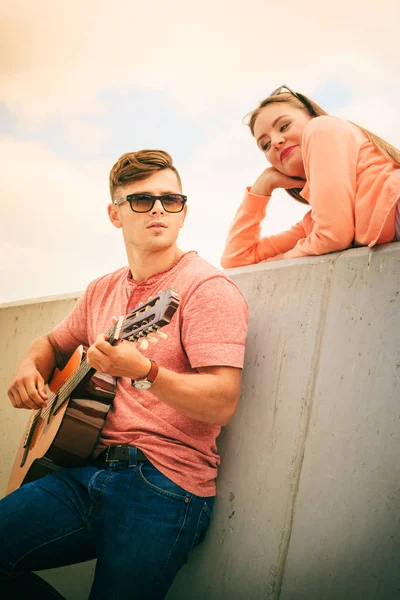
(13,398)
(19,397)
(34,397)
(30,397)
(41,387)
(102,345)
(93,356)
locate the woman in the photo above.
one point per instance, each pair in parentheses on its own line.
(349,177)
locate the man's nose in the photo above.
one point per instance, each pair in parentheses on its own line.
(158,207)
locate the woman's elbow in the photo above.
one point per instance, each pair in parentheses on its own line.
(227,262)
(241,260)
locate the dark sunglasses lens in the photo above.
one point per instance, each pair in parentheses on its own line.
(172,202)
(141,202)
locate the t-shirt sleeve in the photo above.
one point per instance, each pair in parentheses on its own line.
(214,324)
(73,330)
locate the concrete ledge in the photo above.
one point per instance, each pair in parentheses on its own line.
(41,300)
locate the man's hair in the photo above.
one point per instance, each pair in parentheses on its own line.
(134,166)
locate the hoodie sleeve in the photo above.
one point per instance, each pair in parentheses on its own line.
(244,245)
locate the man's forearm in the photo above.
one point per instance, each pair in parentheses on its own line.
(43,355)
(27,388)
(206,396)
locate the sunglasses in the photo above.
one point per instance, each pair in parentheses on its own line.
(300,97)
(142,203)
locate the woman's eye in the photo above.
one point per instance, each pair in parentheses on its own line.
(266,146)
(284,127)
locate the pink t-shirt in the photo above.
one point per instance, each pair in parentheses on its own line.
(208,329)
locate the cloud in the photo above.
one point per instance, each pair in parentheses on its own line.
(56,57)
(85,138)
(55,232)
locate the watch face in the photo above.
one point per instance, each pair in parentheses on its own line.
(142,384)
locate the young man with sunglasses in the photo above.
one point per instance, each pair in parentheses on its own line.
(146,497)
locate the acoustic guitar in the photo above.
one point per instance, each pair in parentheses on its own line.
(66,431)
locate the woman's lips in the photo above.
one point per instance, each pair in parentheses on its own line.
(286,151)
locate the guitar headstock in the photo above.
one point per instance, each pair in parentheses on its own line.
(146,318)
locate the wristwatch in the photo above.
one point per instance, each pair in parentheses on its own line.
(147,382)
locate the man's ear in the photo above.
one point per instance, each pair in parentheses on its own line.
(183,216)
(113,213)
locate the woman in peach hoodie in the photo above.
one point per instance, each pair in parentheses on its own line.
(348,176)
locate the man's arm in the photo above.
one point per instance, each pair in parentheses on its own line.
(211,395)
(27,388)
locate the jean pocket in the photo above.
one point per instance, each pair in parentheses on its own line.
(160,483)
(202,524)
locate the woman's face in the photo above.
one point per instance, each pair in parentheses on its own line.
(279,130)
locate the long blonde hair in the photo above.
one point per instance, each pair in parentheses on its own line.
(314,110)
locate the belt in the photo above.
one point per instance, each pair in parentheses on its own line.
(119,453)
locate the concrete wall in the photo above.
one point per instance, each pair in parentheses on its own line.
(309,488)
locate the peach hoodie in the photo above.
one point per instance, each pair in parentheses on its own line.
(352,190)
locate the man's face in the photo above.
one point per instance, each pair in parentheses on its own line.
(157,229)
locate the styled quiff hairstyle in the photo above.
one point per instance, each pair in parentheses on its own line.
(135,166)
(312,108)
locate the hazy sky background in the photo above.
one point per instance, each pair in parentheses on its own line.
(82,82)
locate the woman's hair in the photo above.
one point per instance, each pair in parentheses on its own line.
(301,101)
(135,166)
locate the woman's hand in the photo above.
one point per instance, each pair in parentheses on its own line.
(271,178)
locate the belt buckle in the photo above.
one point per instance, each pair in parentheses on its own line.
(107,457)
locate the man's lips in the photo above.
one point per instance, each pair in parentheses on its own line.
(286,151)
(156,224)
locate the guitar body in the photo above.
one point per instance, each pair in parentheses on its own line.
(67,436)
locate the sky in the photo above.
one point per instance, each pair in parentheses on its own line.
(83,82)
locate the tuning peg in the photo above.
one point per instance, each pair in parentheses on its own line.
(144,344)
(162,335)
(153,340)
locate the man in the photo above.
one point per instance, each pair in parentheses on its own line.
(146,498)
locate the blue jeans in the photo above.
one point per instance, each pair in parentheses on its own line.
(137,523)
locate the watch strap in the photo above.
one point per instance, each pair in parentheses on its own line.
(151,375)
